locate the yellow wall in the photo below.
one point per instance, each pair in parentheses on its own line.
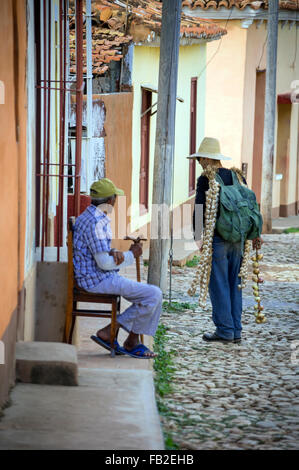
(192,61)
(256,55)
(230,98)
(225,90)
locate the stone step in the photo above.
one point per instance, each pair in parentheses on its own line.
(46,363)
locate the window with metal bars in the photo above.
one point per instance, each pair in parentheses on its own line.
(53,88)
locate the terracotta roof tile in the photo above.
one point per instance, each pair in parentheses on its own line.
(113,25)
(149,14)
(240,4)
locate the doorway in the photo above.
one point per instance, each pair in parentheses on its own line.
(283,155)
(145,149)
(257,160)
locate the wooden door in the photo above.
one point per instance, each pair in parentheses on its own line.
(145,149)
(284,111)
(258,133)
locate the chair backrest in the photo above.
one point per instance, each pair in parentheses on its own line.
(71,223)
(70,276)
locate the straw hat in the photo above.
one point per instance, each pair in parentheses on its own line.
(209,148)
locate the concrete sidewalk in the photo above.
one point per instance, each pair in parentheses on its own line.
(109,410)
(282,223)
(113,408)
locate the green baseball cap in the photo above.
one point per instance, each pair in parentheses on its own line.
(104,188)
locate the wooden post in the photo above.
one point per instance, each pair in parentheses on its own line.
(165,135)
(270,115)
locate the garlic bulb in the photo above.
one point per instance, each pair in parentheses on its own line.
(202,275)
(259,316)
(244,266)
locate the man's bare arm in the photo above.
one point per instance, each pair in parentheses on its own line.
(106,262)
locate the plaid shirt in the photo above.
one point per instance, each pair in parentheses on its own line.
(92,234)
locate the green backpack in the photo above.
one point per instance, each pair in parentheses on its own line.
(239,216)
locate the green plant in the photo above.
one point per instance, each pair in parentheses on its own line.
(163,365)
(178,306)
(169,443)
(164,372)
(291,230)
(193,262)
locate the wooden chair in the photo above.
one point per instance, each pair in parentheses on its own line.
(76,294)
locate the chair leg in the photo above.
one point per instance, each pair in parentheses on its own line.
(72,329)
(113,328)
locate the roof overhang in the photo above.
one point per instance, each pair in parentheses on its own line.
(184,41)
(247,13)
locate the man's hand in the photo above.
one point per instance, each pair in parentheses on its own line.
(257,243)
(118,256)
(136,249)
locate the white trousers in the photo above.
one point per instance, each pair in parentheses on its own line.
(143,315)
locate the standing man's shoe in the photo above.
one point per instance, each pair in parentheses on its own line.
(237,340)
(214,337)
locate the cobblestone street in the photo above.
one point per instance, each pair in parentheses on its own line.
(238,396)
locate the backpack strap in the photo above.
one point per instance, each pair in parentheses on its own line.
(237,174)
(235,178)
(219,179)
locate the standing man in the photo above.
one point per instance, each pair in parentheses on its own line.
(96,268)
(224,291)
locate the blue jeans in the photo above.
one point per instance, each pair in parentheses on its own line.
(225,295)
(143,315)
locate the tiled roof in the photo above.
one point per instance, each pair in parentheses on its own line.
(113,25)
(108,37)
(240,4)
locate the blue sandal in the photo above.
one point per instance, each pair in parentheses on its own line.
(105,344)
(141,349)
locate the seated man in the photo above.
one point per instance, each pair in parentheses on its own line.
(96,268)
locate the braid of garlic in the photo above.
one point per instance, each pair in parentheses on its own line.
(247,245)
(244,266)
(202,276)
(239,174)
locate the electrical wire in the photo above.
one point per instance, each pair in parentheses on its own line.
(296,39)
(258,67)
(218,48)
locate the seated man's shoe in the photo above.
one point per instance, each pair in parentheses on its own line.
(214,337)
